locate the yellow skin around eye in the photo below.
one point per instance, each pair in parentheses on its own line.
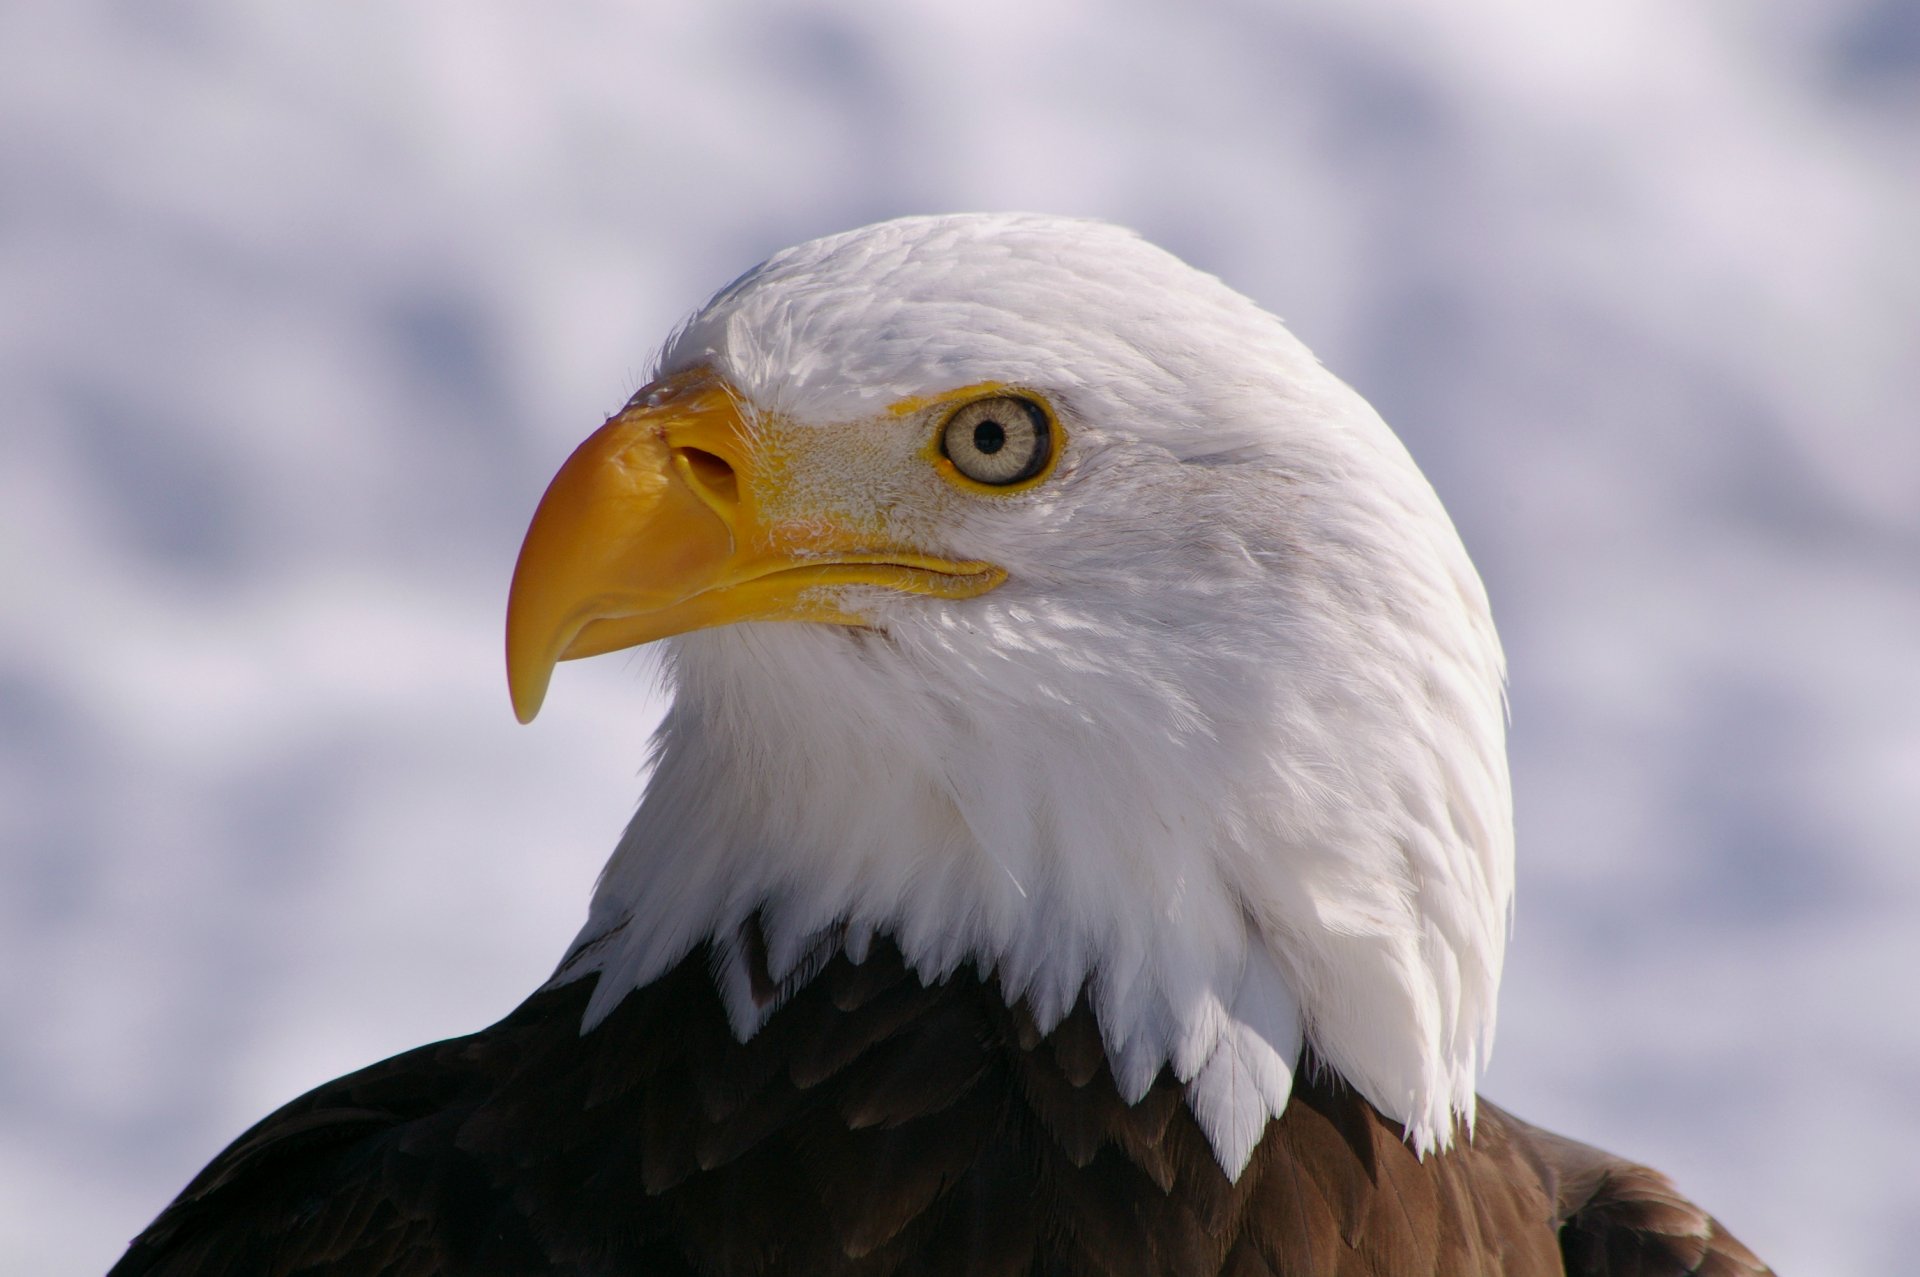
(1025,443)
(953,400)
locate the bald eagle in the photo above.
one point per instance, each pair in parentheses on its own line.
(1080,841)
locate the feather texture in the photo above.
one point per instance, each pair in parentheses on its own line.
(875,1125)
(1225,754)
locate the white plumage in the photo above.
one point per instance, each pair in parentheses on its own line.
(1225,751)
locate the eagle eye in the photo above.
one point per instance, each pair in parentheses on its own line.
(1001,440)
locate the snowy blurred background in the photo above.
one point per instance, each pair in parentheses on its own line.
(300,306)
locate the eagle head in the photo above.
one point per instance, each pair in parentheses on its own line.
(1036,600)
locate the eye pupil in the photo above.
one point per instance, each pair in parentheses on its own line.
(989,436)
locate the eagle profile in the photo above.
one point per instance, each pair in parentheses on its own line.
(1080,841)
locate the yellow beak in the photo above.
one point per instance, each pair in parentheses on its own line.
(658,524)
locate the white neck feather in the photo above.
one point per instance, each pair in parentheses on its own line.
(1224,879)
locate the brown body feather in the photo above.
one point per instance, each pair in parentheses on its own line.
(875,1126)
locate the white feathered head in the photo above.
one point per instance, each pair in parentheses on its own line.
(1037,600)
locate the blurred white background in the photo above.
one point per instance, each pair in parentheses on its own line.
(301,305)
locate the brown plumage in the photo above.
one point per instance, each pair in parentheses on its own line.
(876,1125)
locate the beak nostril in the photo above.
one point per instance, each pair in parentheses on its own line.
(710,476)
